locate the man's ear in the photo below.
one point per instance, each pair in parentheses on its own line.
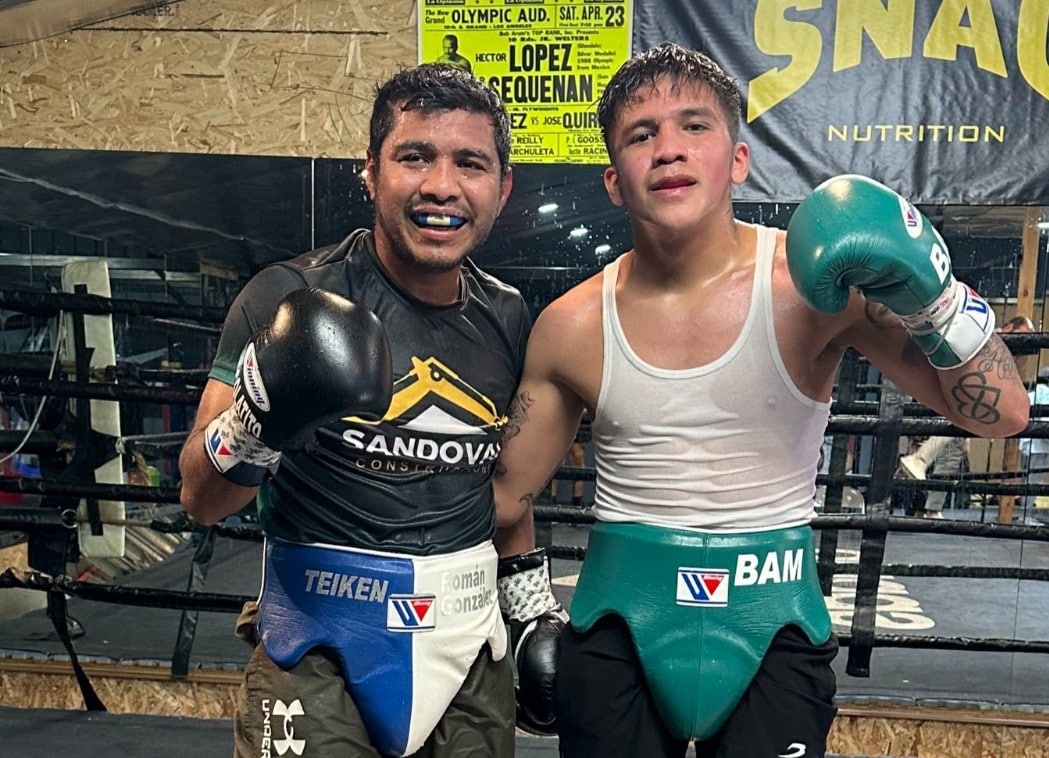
(740,162)
(611,177)
(370,171)
(507,184)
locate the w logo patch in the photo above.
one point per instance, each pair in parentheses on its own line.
(974,304)
(220,453)
(912,219)
(697,586)
(410,613)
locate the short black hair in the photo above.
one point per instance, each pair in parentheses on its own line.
(437,87)
(679,64)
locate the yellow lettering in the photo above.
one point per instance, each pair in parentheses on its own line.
(775,35)
(890,27)
(946,34)
(915,133)
(1033,26)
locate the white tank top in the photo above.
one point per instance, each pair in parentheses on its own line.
(729,446)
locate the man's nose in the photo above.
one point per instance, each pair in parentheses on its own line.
(441,180)
(669,146)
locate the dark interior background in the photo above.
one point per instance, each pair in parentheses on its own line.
(191,229)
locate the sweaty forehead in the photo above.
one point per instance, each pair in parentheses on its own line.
(666,91)
(444,130)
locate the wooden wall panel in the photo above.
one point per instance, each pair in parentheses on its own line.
(929,733)
(210,76)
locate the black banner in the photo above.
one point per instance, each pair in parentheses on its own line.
(946,101)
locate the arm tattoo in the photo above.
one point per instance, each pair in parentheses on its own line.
(517,414)
(995,358)
(976,398)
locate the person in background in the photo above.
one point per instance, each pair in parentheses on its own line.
(705,357)
(451,54)
(946,457)
(360,391)
(1035,450)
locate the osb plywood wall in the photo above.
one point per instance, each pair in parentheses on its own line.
(158,697)
(914,737)
(210,76)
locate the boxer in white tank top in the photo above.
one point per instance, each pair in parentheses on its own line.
(705,357)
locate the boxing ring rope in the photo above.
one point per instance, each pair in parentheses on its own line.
(48,304)
(888,419)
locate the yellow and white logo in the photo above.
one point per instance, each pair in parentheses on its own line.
(435,418)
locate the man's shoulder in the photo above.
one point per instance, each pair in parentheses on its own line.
(323,267)
(352,247)
(503,296)
(577,312)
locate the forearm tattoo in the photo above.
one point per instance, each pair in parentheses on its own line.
(517,414)
(995,358)
(974,395)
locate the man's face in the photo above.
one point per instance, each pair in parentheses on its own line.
(437,188)
(673,157)
(449,46)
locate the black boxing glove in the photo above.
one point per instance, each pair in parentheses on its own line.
(536,620)
(322,357)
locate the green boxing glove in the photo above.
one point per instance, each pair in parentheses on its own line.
(854,232)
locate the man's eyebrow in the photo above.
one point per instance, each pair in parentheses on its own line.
(476,153)
(702,111)
(427,148)
(637,123)
(418,146)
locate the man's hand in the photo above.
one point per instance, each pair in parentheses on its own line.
(854,232)
(321,358)
(536,621)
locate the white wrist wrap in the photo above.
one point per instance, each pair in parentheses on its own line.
(238,445)
(526,595)
(954,328)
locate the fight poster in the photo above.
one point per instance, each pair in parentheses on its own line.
(947,101)
(548,60)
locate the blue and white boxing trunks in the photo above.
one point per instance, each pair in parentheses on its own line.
(406,628)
